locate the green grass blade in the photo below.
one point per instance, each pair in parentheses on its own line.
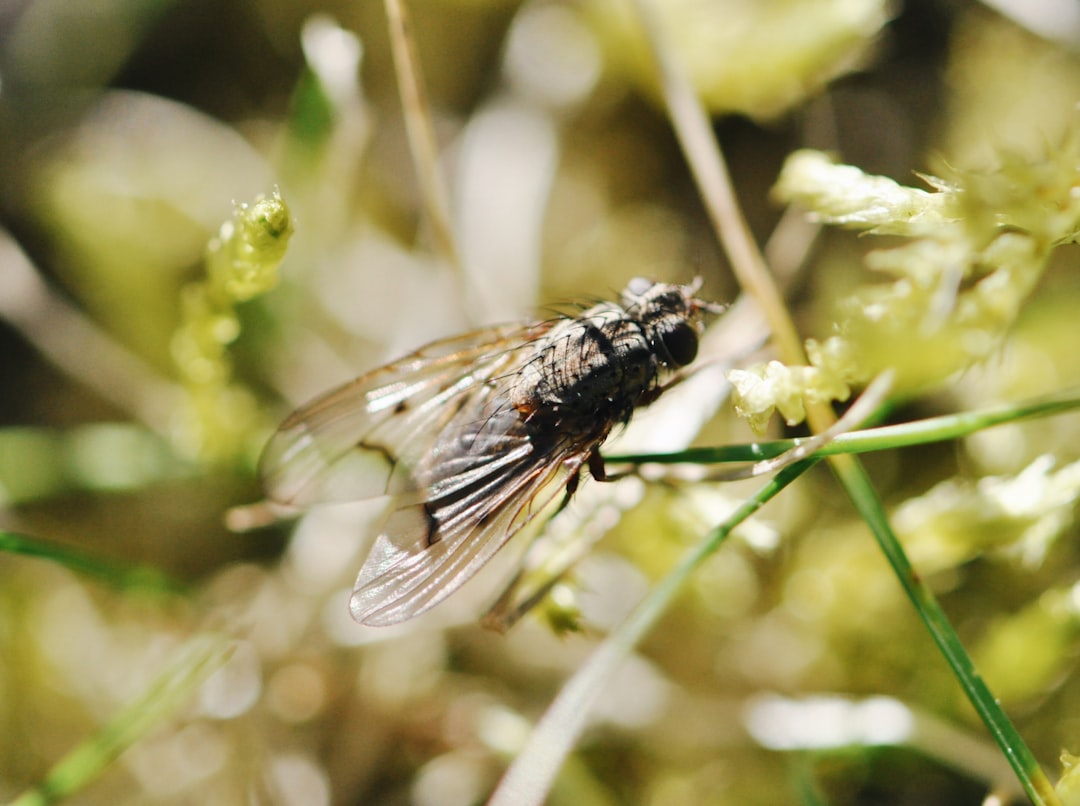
(530,777)
(143,578)
(921,432)
(859,488)
(201,658)
(862,494)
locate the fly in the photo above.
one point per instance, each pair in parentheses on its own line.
(475,435)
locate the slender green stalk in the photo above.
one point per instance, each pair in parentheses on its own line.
(703,154)
(807,792)
(529,778)
(145,578)
(855,480)
(202,657)
(888,437)
(862,493)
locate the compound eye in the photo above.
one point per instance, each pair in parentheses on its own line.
(680,343)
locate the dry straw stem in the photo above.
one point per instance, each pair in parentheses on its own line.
(79,348)
(421,132)
(710,172)
(529,779)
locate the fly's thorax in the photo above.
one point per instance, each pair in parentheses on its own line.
(591,371)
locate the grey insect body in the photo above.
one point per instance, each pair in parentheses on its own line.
(473,436)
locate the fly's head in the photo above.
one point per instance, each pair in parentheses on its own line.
(670,316)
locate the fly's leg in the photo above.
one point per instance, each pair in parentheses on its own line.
(598,470)
(596,467)
(505,613)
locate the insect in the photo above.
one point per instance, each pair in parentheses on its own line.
(475,435)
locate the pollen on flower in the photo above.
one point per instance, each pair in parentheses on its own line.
(978,244)
(241,262)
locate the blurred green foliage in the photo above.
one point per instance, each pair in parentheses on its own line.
(132,129)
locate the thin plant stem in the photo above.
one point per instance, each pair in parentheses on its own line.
(706,161)
(529,778)
(70,341)
(703,153)
(421,131)
(140,578)
(1032,778)
(202,657)
(886,437)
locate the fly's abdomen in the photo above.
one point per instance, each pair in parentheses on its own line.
(590,379)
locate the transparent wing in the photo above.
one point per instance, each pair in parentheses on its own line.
(362,439)
(487,484)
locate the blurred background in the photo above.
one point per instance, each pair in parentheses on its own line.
(131,415)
